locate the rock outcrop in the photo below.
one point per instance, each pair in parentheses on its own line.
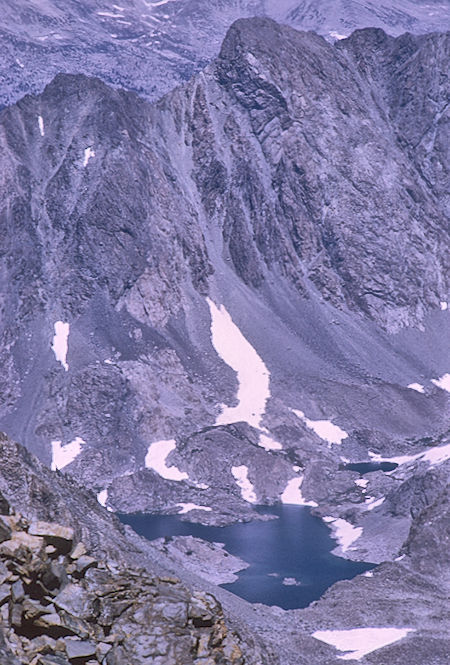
(59,605)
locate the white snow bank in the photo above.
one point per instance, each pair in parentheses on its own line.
(444,306)
(362,482)
(64,455)
(433,456)
(417,387)
(371,503)
(156,459)
(443,382)
(266,442)
(41,125)
(358,642)
(323,428)
(88,153)
(337,35)
(240,474)
(252,374)
(368,573)
(102,498)
(344,532)
(293,495)
(187,507)
(60,343)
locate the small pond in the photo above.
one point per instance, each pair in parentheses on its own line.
(368,467)
(297,545)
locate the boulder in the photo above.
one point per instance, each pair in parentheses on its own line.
(77,649)
(74,600)
(78,551)
(59,536)
(21,544)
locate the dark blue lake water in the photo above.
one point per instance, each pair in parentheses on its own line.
(368,467)
(296,545)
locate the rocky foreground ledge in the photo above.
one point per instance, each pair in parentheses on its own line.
(61,606)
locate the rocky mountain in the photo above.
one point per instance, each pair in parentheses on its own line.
(150,46)
(283,204)
(234,295)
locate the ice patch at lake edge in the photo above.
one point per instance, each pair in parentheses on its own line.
(433,456)
(252,374)
(292,494)
(156,459)
(324,429)
(62,455)
(443,382)
(240,474)
(187,507)
(344,532)
(358,642)
(60,343)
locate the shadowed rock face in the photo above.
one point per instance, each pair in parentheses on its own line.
(297,182)
(151,47)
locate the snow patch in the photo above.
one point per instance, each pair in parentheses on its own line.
(252,374)
(433,456)
(372,503)
(156,459)
(358,642)
(268,443)
(325,429)
(417,387)
(21,65)
(102,498)
(109,14)
(240,474)
(62,455)
(443,382)
(88,153)
(444,306)
(362,482)
(292,494)
(187,507)
(60,343)
(368,573)
(344,532)
(41,125)
(337,35)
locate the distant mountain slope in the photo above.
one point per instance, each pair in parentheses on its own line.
(266,244)
(151,46)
